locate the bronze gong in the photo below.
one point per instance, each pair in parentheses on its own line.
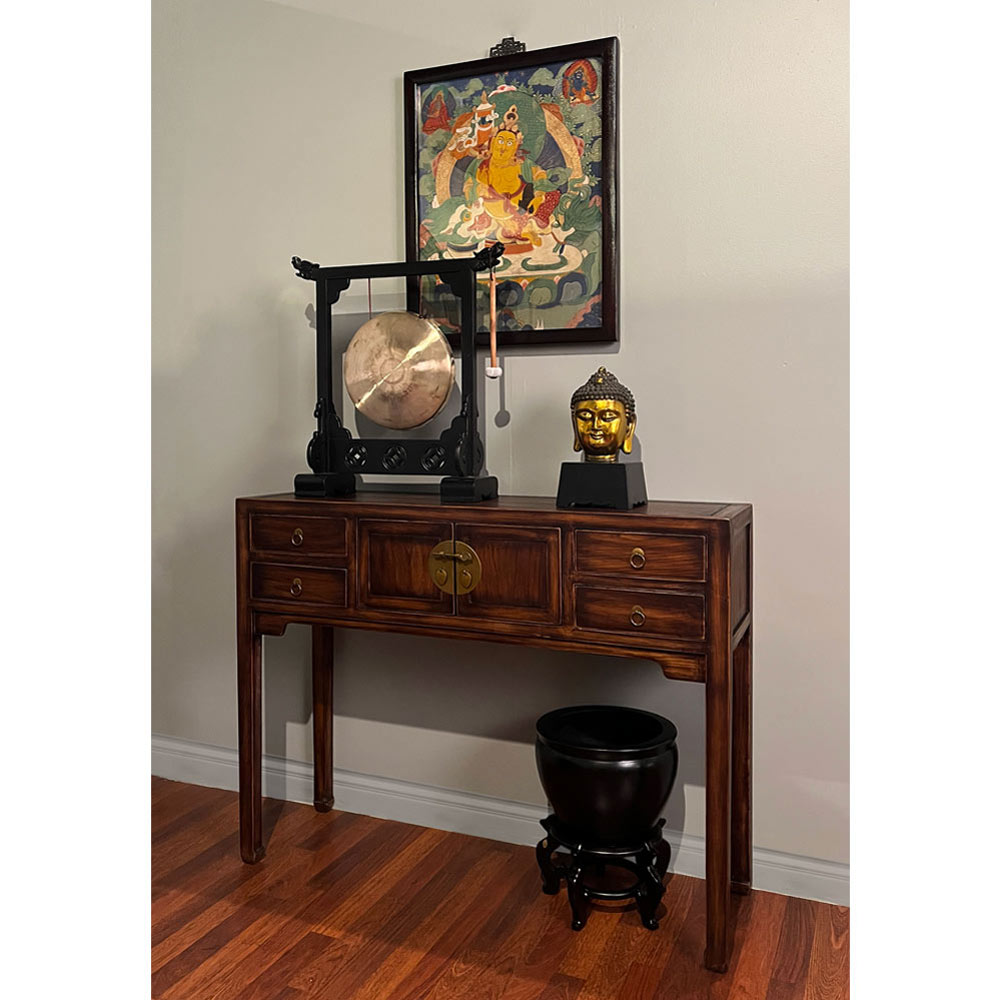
(399,370)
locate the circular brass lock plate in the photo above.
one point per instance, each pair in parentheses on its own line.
(454,567)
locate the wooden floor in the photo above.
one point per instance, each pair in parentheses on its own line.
(346,907)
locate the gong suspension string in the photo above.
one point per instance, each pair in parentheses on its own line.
(493,319)
(369,298)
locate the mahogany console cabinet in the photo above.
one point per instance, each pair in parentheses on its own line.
(667,582)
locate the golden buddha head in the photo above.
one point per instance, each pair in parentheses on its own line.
(603,417)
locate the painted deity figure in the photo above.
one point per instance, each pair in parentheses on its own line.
(516,196)
(437,115)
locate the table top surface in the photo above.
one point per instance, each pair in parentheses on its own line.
(547,505)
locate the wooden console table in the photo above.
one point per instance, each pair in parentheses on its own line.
(668,582)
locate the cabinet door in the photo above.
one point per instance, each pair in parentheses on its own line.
(520,577)
(394,575)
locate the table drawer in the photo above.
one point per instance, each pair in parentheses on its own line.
(299,536)
(642,555)
(298,584)
(679,616)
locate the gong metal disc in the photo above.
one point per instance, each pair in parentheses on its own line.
(399,370)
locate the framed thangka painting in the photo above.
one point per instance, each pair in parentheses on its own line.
(521,149)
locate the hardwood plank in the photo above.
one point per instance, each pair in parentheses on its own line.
(200,844)
(380,914)
(378,880)
(485,965)
(479,910)
(182,833)
(531,977)
(171,824)
(434,929)
(266,894)
(588,943)
(719,985)
(684,977)
(231,982)
(184,894)
(279,973)
(643,977)
(778,990)
(755,960)
(241,882)
(632,943)
(629,942)
(351,868)
(791,962)
(641,980)
(161,791)
(562,987)
(209,944)
(288,906)
(828,965)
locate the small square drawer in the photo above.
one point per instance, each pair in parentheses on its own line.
(307,536)
(656,557)
(679,616)
(298,584)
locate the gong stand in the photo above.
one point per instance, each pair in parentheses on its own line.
(458,455)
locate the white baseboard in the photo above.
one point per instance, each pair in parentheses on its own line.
(476,815)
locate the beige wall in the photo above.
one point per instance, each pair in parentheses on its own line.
(278,130)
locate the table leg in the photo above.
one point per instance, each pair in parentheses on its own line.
(742,827)
(248,678)
(322,678)
(717,819)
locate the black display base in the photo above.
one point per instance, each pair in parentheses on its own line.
(326,484)
(580,863)
(468,489)
(618,485)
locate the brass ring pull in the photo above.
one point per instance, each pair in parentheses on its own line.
(637,559)
(296,588)
(638,617)
(298,537)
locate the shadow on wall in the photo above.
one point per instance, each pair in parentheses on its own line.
(478,689)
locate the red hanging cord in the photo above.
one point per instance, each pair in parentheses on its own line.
(493,318)
(369,298)
(493,370)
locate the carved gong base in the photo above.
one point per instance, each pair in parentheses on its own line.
(646,861)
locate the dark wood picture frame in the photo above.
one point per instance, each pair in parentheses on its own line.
(604,49)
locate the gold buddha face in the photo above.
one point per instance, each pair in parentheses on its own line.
(601,428)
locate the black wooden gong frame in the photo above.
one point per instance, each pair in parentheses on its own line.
(335,457)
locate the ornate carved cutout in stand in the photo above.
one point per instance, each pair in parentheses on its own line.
(647,861)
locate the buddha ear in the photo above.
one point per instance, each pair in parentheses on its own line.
(627,443)
(577,446)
